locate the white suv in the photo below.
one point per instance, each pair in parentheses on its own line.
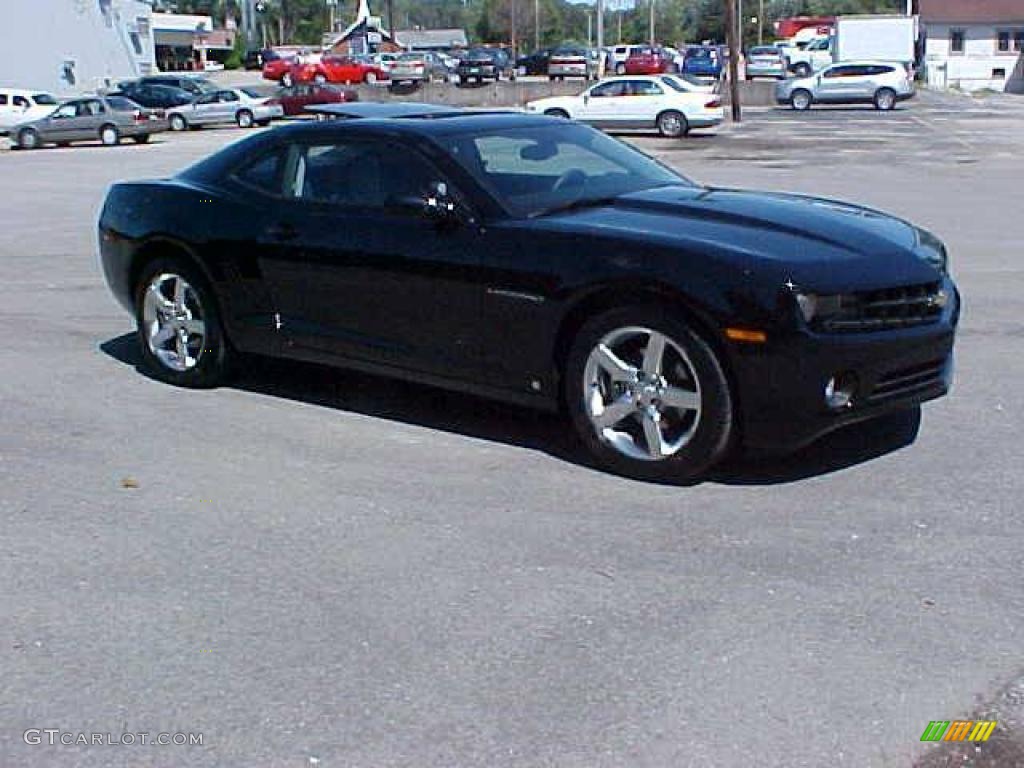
(19,106)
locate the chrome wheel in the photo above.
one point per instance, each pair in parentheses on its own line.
(672,125)
(801,100)
(641,393)
(173,322)
(109,136)
(885,100)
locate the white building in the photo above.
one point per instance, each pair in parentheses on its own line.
(974,44)
(74,46)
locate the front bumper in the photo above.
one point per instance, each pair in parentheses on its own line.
(781,385)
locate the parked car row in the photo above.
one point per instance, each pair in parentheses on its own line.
(140,108)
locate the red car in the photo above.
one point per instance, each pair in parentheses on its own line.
(276,69)
(649,61)
(296,98)
(336,69)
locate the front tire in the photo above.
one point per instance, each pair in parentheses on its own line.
(244,118)
(178,325)
(29,139)
(647,395)
(320,79)
(557,113)
(287,80)
(620,69)
(110,136)
(178,123)
(370,78)
(142,138)
(672,124)
(801,100)
(885,99)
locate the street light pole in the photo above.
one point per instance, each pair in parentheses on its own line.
(652,23)
(600,38)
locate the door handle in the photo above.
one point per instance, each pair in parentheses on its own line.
(282,231)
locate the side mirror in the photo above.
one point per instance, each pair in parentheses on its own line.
(586,98)
(439,205)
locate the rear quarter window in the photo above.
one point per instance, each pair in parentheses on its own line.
(263,173)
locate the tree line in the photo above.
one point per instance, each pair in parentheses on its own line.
(551,21)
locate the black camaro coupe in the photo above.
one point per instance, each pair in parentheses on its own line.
(539,261)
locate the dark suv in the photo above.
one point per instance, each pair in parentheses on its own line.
(196,85)
(481,64)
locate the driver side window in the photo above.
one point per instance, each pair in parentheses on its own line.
(360,174)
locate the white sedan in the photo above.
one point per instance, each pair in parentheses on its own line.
(666,102)
(230,105)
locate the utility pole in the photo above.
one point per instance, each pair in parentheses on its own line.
(536,25)
(652,23)
(590,29)
(734,48)
(513,30)
(760,22)
(391,19)
(600,38)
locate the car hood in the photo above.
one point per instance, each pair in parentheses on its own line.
(816,243)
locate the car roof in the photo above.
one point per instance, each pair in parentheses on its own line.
(424,119)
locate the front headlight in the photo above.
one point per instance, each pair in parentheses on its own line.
(933,250)
(814,306)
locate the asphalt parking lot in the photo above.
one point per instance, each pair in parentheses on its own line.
(322,568)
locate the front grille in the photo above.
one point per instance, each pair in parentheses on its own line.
(886,309)
(908,381)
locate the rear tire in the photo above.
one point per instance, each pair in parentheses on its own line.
(885,99)
(319,79)
(672,124)
(178,123)
(181,336)
(142,138)
(370,78)
(800,100)
(287,80)
(557,113)
(621,412)
(620,69)
(110,136)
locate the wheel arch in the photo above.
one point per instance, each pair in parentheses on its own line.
(165,246)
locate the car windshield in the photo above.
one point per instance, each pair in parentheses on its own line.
(44,99)
(766,51)
(540,169)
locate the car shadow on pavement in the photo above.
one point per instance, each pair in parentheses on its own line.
(458,413)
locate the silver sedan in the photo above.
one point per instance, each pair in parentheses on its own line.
(105,118)
(230,105)
(849,82)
